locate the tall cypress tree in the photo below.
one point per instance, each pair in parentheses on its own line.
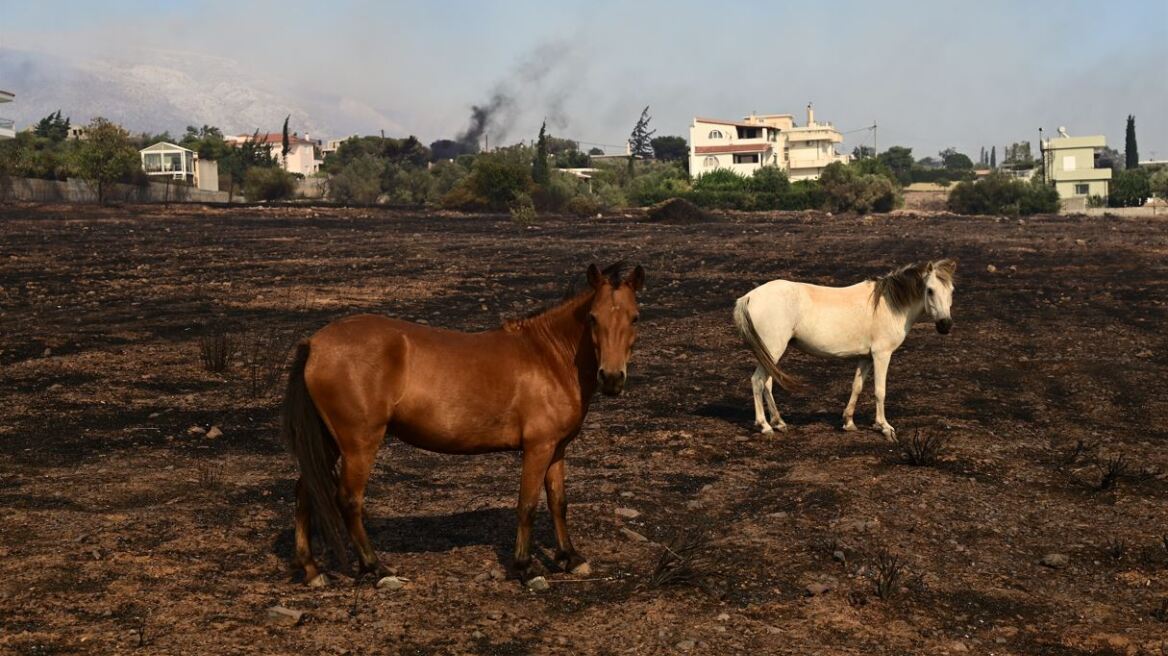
(994,157)
(285,142)
(539,165)
(1131,153)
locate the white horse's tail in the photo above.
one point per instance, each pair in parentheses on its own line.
(760,351)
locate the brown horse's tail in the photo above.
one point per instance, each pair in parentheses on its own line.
(316,452)
(760,351)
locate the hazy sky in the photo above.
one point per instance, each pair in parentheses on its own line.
(931,74)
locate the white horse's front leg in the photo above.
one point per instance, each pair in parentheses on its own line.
(880,366)
(862,371)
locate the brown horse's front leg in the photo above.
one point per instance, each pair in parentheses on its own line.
(557,500)
(535,466)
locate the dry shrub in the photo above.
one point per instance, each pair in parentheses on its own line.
(886,574)
(922,448)
(265,356)
(215,349)
(684,559)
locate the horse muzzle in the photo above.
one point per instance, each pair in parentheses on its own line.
(944,326)
(611,384)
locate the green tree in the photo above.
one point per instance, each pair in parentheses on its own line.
(899,160)
(863,152)
(640,140)
(359,181)
(994,157)
(1159,184)
(268,183)
(953,160)
(595,151)
(670,148)
(999,193)
(105,157)
(1130,151)
(539,163)
(1129,188)
(237,161)
(770,180)
(1018,156)
(285,142)
(207,141)
(53,127)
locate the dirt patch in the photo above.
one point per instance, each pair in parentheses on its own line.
(127,530)
(679,211)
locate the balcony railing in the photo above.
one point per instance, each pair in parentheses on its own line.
(7,128)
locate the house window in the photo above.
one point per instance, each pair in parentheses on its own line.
(716,134)
(710,161)
(749,133)
(1082,189)
(152,162)
(1068,162)
(746,159)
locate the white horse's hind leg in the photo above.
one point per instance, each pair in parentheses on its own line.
(757,385)
(880,366)
(862,371)
(776,418)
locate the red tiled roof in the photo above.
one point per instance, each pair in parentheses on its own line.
(277,138)
(718,121)
(732,148)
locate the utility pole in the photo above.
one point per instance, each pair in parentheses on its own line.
(875,150)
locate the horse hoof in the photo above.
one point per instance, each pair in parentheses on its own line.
(319,581)
(767,430)
(782,428)
(850,426)
(583,569)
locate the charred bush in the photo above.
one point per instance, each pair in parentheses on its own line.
(684,560)
(886,574)
(215,350)
(922,448)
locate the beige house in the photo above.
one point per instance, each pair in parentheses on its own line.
(301,157)
(768,140)
(1069,163)
(7,126)
(167,160)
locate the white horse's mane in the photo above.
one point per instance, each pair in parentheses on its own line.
(904,287)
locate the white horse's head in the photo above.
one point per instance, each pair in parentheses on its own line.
(939,293)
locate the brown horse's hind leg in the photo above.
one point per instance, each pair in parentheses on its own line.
(304,559)
(557,500)
(535,466)
(356,464)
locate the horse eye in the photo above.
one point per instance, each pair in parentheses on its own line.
(930,291)
(592,319)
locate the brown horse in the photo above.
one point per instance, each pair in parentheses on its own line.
(523,387)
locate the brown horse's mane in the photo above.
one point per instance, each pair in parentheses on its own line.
(904,287)
(569,302)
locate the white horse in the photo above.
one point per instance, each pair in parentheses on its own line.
(866,321)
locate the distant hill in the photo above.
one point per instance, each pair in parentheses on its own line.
(155,90)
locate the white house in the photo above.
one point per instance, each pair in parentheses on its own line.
(7,126)
(164,159)
(767,140)
(301,157)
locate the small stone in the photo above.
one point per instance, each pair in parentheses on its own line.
(633,535)
(723,617)
(627,513)
(839,556)
(495,615)
(478,635)
(498,574)
(686,645)
(1055,560)
(693,504)
(483,577)
(214,433)
(284,616)
(958,647)
(196,430)
(627,495)
(991,268)
(816,589)
(55,387)
(46,353)
(777,515)
(391,583)
(538,584)
(1080,242)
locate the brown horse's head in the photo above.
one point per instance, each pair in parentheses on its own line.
(612,318)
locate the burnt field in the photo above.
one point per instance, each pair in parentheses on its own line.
(1040,526)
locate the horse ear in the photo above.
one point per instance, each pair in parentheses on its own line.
(946,266)
(636,279)
(594,276)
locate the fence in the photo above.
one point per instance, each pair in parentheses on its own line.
(78,191)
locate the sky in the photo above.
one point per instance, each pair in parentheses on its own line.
(930,75)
